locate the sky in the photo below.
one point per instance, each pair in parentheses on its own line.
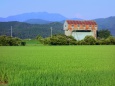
(84,9)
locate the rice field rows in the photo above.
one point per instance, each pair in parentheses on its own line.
(57,66)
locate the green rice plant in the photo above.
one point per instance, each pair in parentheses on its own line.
(57,65)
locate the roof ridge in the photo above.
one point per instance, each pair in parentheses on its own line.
(88,22)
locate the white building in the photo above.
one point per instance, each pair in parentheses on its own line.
(80,29)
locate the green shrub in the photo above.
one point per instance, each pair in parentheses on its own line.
(60,40)
(23,43)
(100,42)
(110,40)
(81,42)
(40,39)
(90,40)
(69,40)
(46,41)
(9,41)
(104,33)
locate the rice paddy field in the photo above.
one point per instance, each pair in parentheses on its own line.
(57,65)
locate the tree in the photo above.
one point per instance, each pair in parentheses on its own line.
(90,40)
(104,33)
(9,41)
(23,43)
(81,42)
(60,39)
(40,38)
(110,40)
(101,42)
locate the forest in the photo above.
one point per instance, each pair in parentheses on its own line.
(24,30)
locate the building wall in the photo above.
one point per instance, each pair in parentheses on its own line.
(81,35)
(65,26)
(68,32)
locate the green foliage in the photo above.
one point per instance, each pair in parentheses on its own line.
(106,23)
(69,40)
(25,30)
(60,39)
(9,41)
(23,43)
(101,42)
(81,42)
(110,40)
(46,41)
(40,39)
(57,65)
(90,40)
(104,33)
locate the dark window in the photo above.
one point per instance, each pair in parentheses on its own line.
(72,25)
(78,25)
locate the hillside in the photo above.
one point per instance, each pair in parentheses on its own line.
(107,23)
(25,30)
(37,21)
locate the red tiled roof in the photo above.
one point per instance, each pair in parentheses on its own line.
(89,22)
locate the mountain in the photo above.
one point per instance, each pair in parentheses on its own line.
(37,21)
(25,30)
(35,15)
(107,23)
(40,21)
(40,16)
(2,19)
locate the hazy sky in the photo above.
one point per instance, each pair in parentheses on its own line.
(85,9)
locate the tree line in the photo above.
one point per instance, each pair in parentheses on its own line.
(103,38)
(69,40)
(24,30)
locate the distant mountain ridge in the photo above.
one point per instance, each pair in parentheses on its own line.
(35,15)
(47,18)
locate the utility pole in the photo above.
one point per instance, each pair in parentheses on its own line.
(11,31)
(51,32)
